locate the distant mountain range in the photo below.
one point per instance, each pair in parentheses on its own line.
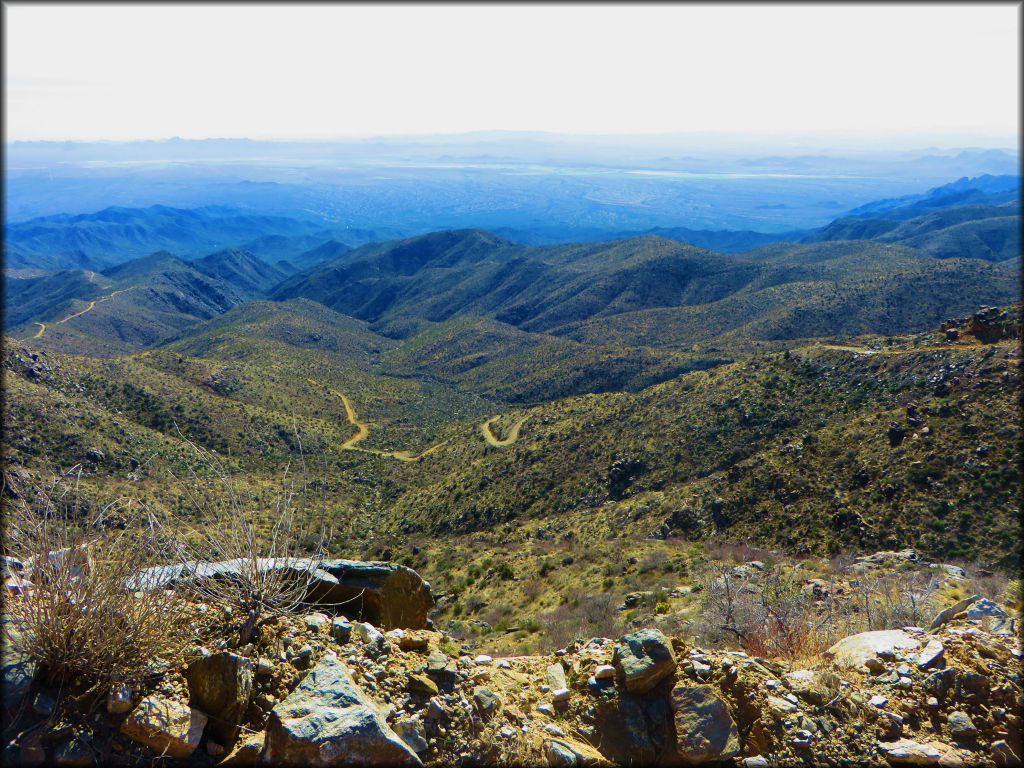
(100,240)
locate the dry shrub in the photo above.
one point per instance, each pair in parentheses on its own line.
(76,614)
(770,617)
(738,552)
(584,617)
(274,550)
(892,601)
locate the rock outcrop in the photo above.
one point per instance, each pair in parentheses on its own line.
(385,594)
(329,721)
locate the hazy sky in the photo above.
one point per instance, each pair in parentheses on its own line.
(83,71)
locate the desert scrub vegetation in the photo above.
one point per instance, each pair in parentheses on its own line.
(72,610)
(267,542)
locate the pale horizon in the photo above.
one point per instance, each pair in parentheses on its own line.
(342,72)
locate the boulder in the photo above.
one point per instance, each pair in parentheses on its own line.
(855,650)
(961,725)
(999,620)
(341,629)
(412,731)
(423,685)
(952,611)
(639,731)
(806,684)
(385,594)
(487,702)
(221,685)
(328,721)
(908,752)
(705,731)
(414,641)
(555,676)
(643,659)
(376,644)
(567,753)
(166,726)
(442,667)
(931,654)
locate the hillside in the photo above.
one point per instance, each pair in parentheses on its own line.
(255,382)
(118,234)
(650,284)
(989,232)
(130,306)
(251,277)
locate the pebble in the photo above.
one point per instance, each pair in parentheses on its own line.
(604,671)
(546,709)
(561,694)
(483,658)
(878,701)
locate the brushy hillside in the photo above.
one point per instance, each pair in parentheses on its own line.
(789,449)
(989,232)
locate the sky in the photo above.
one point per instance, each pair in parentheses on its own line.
(152,71)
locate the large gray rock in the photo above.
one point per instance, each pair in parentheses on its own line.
(952,611)
(166,726)
(385,594)
(221,685)
(856,650)
(638,731)
(705,731)
(644,658)
(999,620)
(328,721)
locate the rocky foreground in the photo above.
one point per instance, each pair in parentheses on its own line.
(315,689)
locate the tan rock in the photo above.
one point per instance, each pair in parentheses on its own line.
(855,650)
(908,752)
(246,752)
(165,726)
(567,752)
(705,731)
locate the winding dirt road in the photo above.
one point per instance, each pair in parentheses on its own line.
(363,431)
(513,434)
(92,305)
(77,314)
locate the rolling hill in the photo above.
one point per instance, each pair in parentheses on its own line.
(674,294)
(989,232)
(115,235)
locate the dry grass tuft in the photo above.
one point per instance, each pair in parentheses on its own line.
(75,613)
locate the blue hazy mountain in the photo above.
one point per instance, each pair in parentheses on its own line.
(533,187)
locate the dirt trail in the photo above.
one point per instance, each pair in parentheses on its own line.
(92,304)
(908,351)
(42,327)
(513,434)
(363,431)
(69,317)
